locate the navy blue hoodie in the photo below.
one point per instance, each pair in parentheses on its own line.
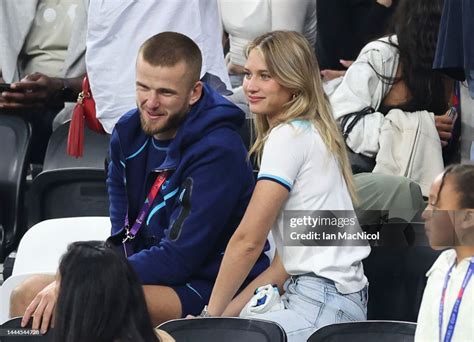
(200,205)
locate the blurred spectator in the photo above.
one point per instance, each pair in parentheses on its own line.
(245,20)
(42,49)
(448,301)
(344,27)
(455,57)
(116,29)
(455,50)
(100,298)
(396,72)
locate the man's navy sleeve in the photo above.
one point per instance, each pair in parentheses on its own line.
(116,185)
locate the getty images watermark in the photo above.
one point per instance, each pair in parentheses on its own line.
(325,228)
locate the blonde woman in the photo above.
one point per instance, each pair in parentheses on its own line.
(303,166)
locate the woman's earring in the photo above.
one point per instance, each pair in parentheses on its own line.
(294,96)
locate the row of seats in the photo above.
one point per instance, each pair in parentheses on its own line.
(233,329)
(66,187)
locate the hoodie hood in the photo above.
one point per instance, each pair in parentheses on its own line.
(211,112)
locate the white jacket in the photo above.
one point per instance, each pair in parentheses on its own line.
(410,147)
(361,87)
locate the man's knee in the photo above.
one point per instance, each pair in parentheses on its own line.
(24,293)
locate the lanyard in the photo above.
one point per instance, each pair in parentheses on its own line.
(130,233)
(457,303)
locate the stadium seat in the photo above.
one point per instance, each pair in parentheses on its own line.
(228,329)
(366,331)
(397,278)
(43,244)
(15,135)
(68,186)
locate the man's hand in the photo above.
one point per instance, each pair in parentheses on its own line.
(329,74)
(42,308)
(34,90)
(444,126)
(1,97)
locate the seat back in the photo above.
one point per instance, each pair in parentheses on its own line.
(68,186)
(229,329)
(397,277)
(13,332)
(96,148)
(15,135)
(42,246)
(366,331)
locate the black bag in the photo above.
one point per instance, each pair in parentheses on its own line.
(359,162)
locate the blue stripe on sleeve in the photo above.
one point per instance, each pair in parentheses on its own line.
(276,179)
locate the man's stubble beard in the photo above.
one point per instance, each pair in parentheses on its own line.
(173,122)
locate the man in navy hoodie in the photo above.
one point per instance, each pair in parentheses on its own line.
(183,127)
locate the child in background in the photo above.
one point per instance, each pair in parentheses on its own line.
(446,312)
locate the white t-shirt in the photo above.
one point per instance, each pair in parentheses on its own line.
(296,157)
(117,29)
(428,318)
(245,20)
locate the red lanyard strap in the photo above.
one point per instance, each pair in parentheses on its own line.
(130,233)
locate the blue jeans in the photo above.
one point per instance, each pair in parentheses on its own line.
(312,302)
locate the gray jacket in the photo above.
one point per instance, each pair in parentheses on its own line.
(16,19)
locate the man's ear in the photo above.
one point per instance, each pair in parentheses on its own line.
(196,93)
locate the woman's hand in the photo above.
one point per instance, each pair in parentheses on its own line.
(329,74)
(247,243)
(275,274)
(42,308)
(444,126)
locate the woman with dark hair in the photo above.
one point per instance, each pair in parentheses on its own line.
(447,308)
(100,298)
(395,72)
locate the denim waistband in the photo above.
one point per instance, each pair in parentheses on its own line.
(313,275)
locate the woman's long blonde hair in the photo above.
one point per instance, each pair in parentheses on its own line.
(292,63)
